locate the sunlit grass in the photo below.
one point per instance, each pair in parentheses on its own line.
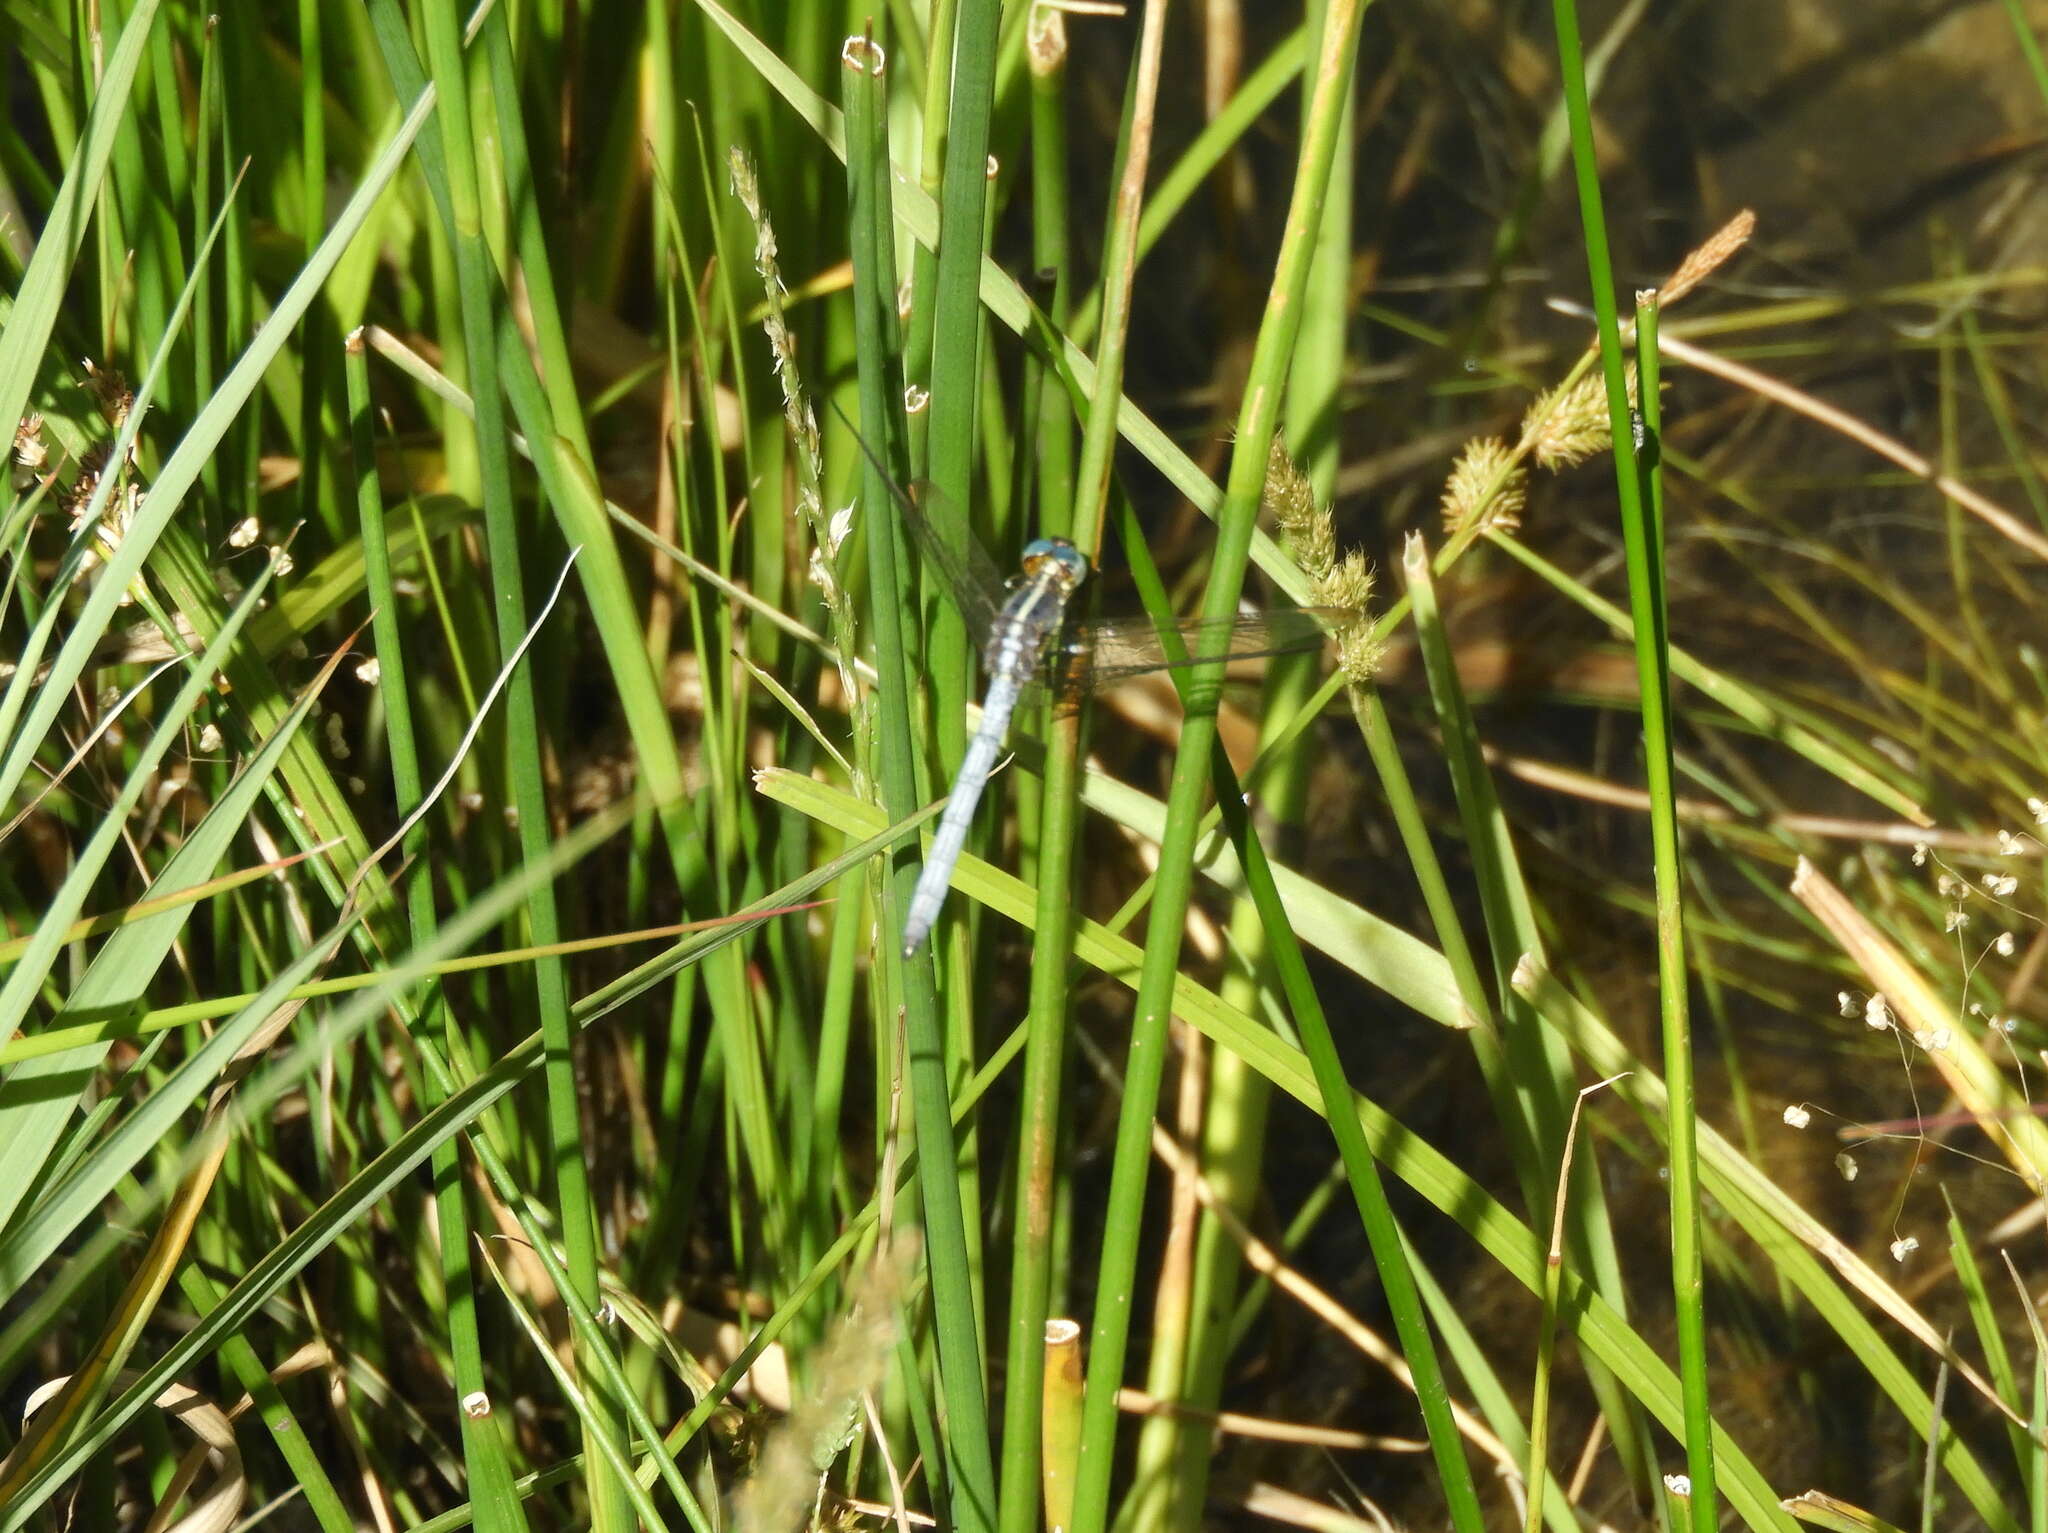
(470,717)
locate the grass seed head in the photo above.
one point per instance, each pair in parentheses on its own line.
(779,1495)
(1568,424)
(1345,582)
(1487,489)
(1702,262)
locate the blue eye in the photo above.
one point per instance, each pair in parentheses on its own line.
(1038,550)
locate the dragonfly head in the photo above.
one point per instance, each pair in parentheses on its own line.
(1068,563)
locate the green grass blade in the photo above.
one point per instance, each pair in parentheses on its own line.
(1146,1058)
(181,470)
(39,1095)
(40,297)
(955,1304)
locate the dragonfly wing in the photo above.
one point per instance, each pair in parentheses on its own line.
(972,578)
(1117,649)
(970,575)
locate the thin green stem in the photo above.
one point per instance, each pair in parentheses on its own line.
(486,1468)
(1146,1059)
(1637,486)
(1038,1192)
(1237,1097)
(1059,821)
(972,1470)
(477,290)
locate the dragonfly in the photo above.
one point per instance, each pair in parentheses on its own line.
(1030,637)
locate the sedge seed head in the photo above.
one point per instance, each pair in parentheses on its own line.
(1305,524)
(1487,489)
(1568,425)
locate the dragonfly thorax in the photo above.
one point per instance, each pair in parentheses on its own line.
(1034,609)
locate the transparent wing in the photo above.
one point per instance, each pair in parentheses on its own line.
(1111,650)
(1102,652)
(977,586)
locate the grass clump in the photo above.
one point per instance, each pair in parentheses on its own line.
(471,709)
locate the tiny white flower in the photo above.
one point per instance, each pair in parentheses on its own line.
(1877,1014)
(246,532)
(1678,1484)
(280,560)
(821,574)
(2038,808)
(2009,845)
(1905,1247)
(2004,944)
(838,527)
(472,801)
(30,450)
(1797,1116)
(1847,1002)
(511,812)
(370,671)
(476,1405)
(1845,1163)
(915,399)
(209,738)
(1948,886)
(2001,884)
(1957,920)
(1919,854)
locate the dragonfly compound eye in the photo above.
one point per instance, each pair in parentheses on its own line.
(1042,551)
